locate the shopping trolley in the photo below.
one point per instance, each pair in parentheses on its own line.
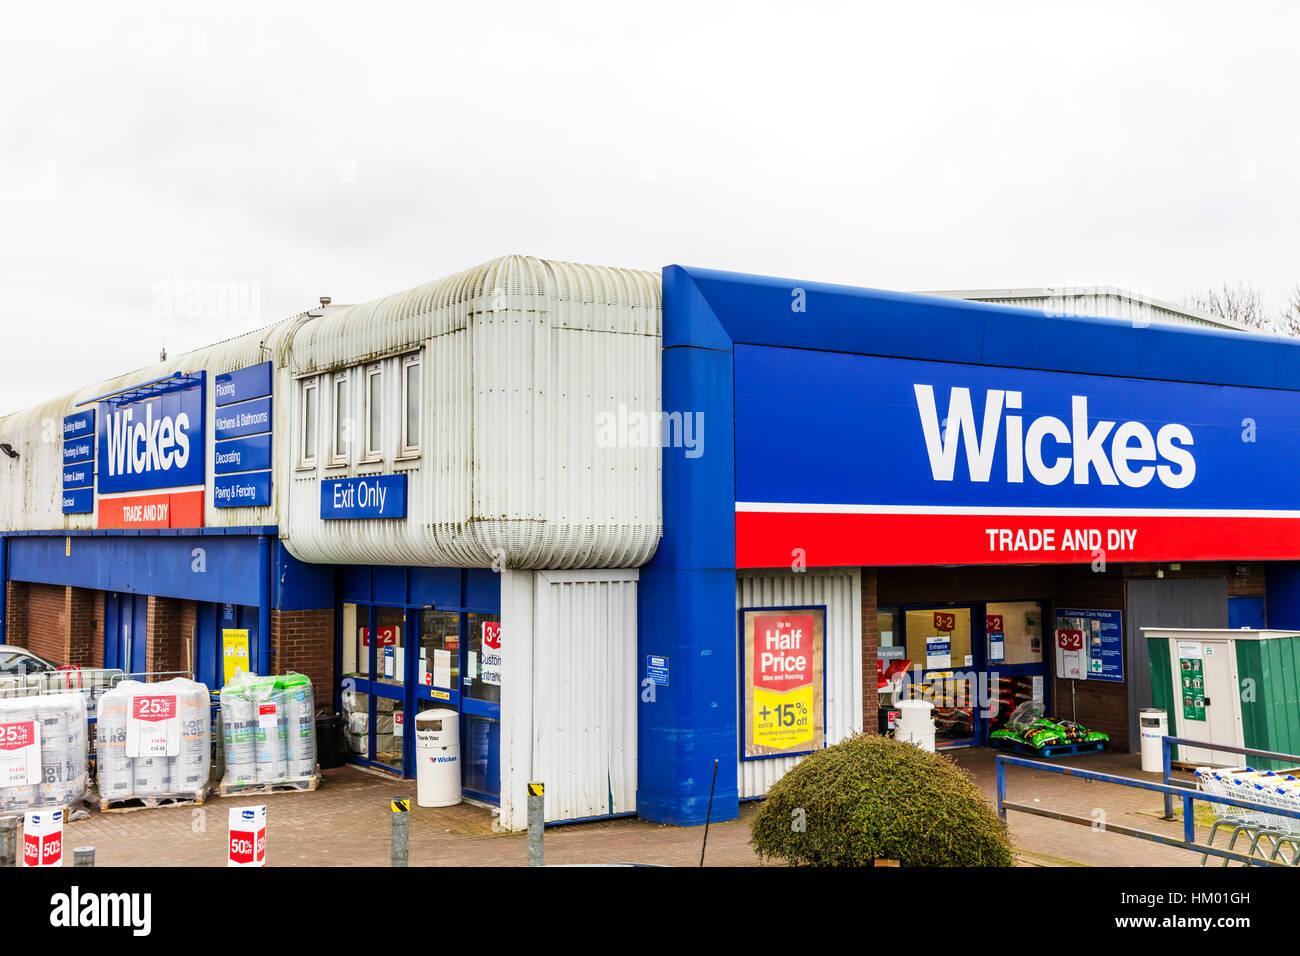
(1265,788)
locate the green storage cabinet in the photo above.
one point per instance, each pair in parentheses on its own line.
(1231,687)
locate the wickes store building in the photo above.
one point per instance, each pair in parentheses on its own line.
(630,523)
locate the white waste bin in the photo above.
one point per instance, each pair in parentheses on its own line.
(915,723)
(1153,723)
(437,757)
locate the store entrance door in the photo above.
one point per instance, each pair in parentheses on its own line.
(976,662)
(941,644)
(375,684)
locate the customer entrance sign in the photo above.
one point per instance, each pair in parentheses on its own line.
(783,679)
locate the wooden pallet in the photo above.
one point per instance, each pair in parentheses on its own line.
(1051,750)
(303,784)
(150,803)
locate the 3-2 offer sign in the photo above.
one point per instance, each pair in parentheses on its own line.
(783,661)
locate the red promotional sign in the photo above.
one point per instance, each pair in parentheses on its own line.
(387,636)
(16,736)
(43,838)
(783,646)
(1069,640)
(492,635)
(945,621)
(247,846)
(246,840)
(52,849)
(153,709)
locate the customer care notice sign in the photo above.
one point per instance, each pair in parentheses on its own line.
(783,698)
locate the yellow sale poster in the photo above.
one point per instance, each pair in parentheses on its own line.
(234,652)
(784,681)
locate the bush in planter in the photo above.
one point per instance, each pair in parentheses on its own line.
(874,798)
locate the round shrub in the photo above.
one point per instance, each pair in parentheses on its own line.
(871,798)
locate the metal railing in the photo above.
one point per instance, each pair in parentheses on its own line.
(1167,788)
(1167,745)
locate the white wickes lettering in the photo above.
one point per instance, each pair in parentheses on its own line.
(979,452)
(1117,453)
(155,444)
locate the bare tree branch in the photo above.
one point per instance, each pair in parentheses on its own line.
(1241,303)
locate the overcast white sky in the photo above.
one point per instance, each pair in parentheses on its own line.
(356,149)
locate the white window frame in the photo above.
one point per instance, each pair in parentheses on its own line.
(409,448)
(339,456)
(308,387)
(374,445)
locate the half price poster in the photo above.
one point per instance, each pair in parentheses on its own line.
(783,681)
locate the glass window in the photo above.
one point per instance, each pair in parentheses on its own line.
(1018,626)
(440,649)
(356,649)
(374,412)
(482,754)
(482,680)
(389,660)
(342,422)
(388,731)
(939,638)
(889,626)
(307,424)
(411,406)
(356,723)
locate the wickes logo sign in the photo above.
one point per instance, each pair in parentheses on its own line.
(1052,451)
(137,447)
(151,440)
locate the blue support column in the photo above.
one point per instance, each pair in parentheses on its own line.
(263,604)
(4,589)
(1282,595)
(687,594)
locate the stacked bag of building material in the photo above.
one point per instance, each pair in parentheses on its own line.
(268,731)
(153,742)
(43,750)
(388,725)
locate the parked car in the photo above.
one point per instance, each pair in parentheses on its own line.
(22,672)
(18,661)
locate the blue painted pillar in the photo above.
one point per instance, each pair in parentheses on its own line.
(686,598)
(263,604)
(4,589)
(1282,595)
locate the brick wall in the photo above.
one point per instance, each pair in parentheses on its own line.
(164,641)
(189,635)
(303,641)
(47,622)
(62,624)
(870,646)
(82,626)
(15,614)
(97,639)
